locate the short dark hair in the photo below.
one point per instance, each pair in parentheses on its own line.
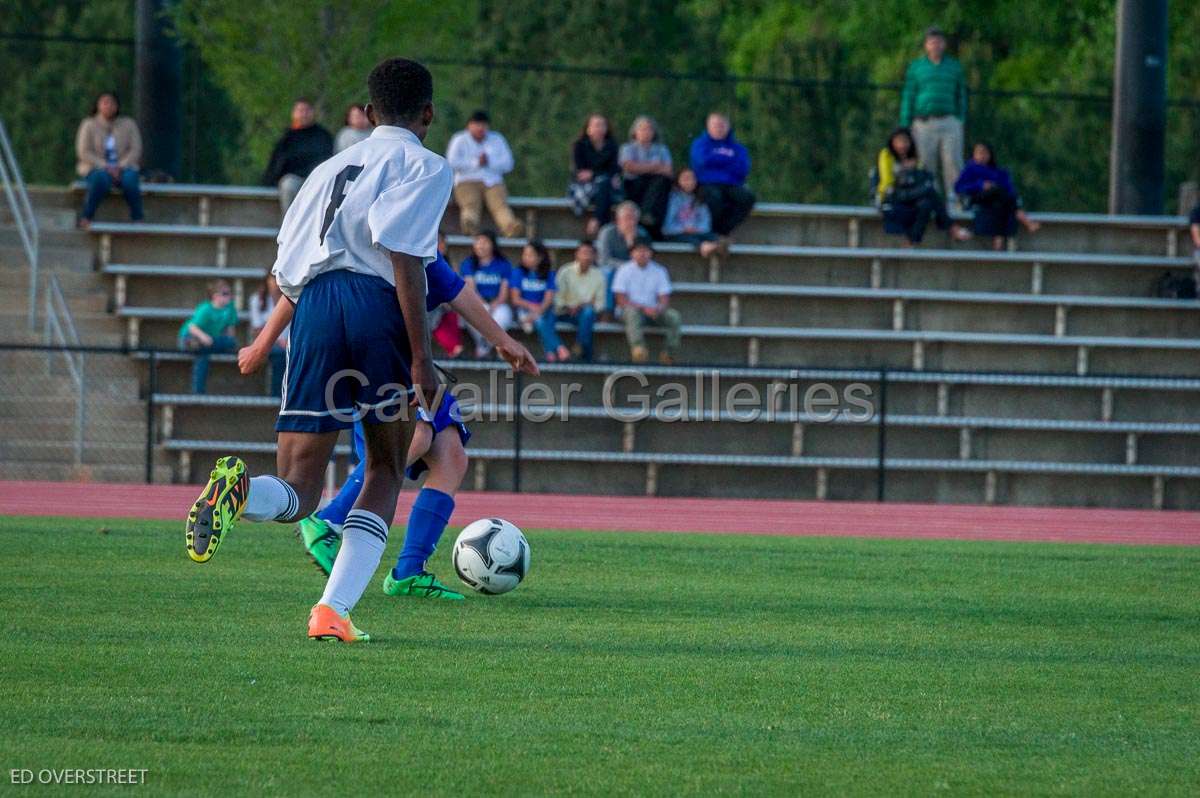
(586,242)
(480,115)
(642,241)
(400,89)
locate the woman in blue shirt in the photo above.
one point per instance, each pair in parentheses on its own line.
(488,272)
(533,295)
(990,192)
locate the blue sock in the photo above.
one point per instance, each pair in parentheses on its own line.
(426,521)
(340,506)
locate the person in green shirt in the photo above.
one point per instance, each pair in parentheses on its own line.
(209,330)
(934,105)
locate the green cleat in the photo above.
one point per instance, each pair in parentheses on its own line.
(422,585)
(320,540)
(220,504)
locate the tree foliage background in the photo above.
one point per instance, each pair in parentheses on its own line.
(815,94)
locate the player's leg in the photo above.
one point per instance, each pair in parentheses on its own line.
(376,351)
(364,535)
(230,494)
(446,460)
(321,531)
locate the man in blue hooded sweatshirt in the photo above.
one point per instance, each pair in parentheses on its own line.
(721,164)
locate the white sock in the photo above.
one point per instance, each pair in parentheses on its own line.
(364,537)
(270,499)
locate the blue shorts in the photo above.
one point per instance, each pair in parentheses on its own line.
(348,355)
(448,414)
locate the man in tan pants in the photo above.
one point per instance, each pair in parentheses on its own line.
(480,157)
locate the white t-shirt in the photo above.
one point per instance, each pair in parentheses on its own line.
(642,285)
(387,193)
(260,311)
(463,155)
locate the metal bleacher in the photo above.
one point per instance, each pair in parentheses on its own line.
(1030,376)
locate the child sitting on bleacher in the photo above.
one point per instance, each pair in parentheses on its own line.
(208,331)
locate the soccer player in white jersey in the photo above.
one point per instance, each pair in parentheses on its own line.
(352,254)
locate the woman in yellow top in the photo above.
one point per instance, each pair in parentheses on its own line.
(907,195)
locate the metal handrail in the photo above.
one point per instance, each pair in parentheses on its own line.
(59,329)
(22,211)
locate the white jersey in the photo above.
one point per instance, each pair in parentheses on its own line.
(388,192)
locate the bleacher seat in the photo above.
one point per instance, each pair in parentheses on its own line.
(808,285)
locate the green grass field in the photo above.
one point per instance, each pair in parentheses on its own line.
(627,663)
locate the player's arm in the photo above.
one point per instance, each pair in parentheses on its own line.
(409,273)
(251,358)
(472,309)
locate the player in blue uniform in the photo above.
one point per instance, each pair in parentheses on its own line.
(438,446)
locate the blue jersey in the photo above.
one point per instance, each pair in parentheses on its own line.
(532,287)
(442,283)
(488,277)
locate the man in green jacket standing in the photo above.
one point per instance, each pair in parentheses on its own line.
(934,104)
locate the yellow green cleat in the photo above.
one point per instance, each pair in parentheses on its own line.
(220,504)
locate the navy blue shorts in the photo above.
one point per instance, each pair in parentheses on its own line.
(348,355)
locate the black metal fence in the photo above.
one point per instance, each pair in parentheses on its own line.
(132,407)
(123,414)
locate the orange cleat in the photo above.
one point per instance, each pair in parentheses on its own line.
(325,624)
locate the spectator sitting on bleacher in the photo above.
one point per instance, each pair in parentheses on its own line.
(533,290)
(688,219)
(989,191)
(643,290)
(443,322)
(262,302)
(906,193)
(209,331)
(597,180)
(489,273)
(109,151)
(298,151)
(646,162)
(722,164)
(480,158)
(615,241)
(357,128)
(581,296)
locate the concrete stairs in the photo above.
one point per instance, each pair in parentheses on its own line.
(39,400)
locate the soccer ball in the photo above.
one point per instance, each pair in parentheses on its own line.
(491,556)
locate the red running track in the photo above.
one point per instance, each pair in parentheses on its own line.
(641,514)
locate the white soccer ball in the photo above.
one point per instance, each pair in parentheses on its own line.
(491,556)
